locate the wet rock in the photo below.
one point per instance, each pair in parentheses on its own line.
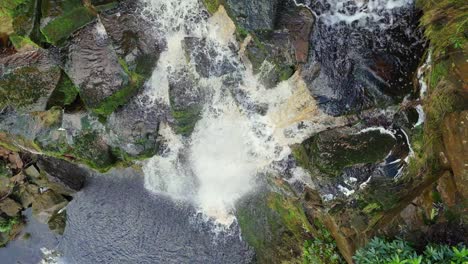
(455,136)
(272,58)
(334,150)
(132,38)
(60,19)
(27,194)
(353,67)
(298,21)
(93,65)
(32,171)
(10,207)
(253,14)
(186,100)
(206,58)
(46,205)
(27,80)
(58,222)
(64,174)
(135,126)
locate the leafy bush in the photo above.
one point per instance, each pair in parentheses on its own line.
(379,251)
(7,224)
(321,250)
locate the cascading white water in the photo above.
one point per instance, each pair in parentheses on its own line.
(231,144)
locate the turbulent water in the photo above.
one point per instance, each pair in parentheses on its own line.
(244,127)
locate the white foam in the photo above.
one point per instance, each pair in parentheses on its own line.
(366,11)
(231,144)
(421,115)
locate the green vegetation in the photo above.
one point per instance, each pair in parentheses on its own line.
(62,27)
(275,225)
(332,152)
(24,86)
(445,23)
(322,249)
(20,42)
(65,93)
(211,5)
(6,224)
(380,251)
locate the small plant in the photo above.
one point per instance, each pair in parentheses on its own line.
(321,250)
(7,224)
(379,251)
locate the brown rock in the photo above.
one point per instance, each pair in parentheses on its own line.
(10,207)
(447,188)
(46,205)
(27,194)
(455,135)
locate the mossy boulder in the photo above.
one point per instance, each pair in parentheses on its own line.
(131,38)
(332,151)
(103,79)
(61,18)
(17,16)
(27,80)
(275,226)
(46,205)
(186,100)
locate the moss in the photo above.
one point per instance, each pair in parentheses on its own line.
(371,208)
(186,119)
(275,226)
(331,153)
(90,149)
(111,103)
(24,86)
(105,7)
(445,23)
(64,94)
(211,5)
(62,27)
(20,42)
(24,17)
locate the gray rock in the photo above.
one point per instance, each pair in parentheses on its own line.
(65,174)
(27,80)
(134,127)
(93,65)
(133,38)
(253,14)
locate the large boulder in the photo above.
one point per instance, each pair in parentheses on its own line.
(132,37)
(364,64)
(101,76)
(46,205)
(10,207)
(64,174)
(62,18)
(253,14)
(28,79)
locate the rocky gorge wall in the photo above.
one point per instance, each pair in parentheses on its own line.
(72,81)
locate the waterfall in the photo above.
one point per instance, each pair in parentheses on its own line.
(244,127)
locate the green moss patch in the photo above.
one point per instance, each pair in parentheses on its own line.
(65,93)
(62,27)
